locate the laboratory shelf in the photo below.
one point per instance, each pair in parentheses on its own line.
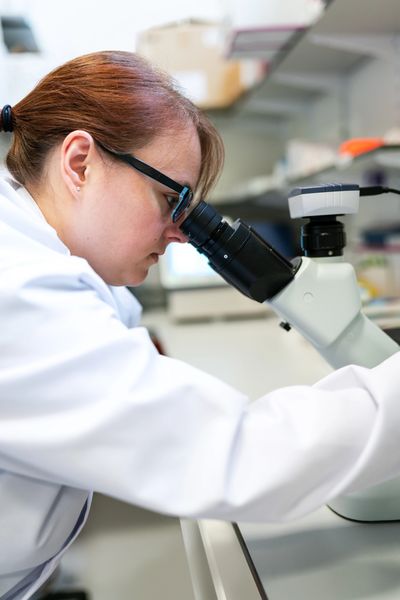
(254,199)
(349,33)
(321,60)
(345,169)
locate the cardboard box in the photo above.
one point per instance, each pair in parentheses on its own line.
(193,53)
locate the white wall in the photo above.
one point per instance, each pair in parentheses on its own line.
(68,29)
(251,150)
(374,97)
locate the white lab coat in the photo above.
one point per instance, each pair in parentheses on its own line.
(87,404)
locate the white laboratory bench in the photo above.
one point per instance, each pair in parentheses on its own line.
(321,556)
(253,354)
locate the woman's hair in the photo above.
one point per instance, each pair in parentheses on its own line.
(117,97)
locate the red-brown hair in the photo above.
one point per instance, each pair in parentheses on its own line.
(117,97)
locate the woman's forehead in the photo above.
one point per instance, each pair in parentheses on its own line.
(177,152)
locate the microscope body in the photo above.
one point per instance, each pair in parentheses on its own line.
(324,306)
(316,294)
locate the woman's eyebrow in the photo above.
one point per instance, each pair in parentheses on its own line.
(165,188)
(179,181)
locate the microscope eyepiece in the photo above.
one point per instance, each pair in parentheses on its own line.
(238,253)
(202,224)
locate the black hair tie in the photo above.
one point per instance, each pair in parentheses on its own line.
(6,117)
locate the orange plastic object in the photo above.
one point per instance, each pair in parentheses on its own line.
(357,146)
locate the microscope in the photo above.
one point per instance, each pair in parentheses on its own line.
(316,293)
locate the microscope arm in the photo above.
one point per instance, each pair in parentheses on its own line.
(322,302)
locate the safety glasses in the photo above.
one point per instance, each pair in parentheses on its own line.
(185,193)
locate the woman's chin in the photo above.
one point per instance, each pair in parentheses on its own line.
(128,279)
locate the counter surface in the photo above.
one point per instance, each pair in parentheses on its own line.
(327,557)
(322,556)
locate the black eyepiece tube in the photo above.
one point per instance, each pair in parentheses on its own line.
(238,253)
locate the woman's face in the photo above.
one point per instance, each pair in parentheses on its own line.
(121,219)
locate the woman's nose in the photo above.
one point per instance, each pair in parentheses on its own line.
(174,234)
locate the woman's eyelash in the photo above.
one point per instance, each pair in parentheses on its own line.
(172,200)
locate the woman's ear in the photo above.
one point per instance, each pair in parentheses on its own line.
(76,150)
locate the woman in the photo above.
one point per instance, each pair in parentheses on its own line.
(104,155)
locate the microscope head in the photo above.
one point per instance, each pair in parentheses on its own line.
(324,200)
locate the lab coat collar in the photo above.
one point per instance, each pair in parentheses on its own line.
(20,209)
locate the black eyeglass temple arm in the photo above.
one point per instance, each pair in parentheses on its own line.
(146,169)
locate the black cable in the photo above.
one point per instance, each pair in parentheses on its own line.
(375,190)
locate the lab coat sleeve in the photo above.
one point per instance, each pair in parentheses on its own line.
(89,403)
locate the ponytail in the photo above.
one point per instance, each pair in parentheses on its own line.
(6,119)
